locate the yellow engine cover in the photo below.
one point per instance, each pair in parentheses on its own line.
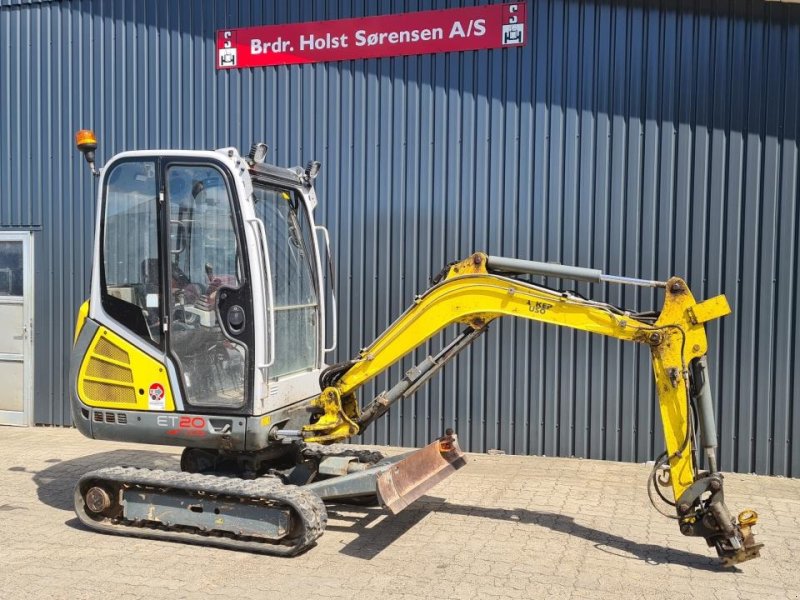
(116,374)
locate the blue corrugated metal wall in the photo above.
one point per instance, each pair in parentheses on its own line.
(642,138)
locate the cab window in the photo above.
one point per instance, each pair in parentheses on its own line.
(296,301)
(130,280)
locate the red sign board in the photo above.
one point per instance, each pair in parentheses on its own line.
(427,32)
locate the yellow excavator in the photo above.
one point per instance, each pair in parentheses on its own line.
(207,325)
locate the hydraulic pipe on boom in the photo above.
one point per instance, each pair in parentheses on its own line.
(500,264)
(482,288)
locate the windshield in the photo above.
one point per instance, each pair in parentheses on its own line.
(293,279)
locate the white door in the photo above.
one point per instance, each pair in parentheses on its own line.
(16,320)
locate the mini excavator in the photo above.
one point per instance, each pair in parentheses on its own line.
(207,326)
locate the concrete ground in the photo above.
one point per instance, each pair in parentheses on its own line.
(502,527)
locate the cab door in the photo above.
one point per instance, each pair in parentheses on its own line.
(208,296)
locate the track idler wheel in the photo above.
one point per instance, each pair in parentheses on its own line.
(97,499)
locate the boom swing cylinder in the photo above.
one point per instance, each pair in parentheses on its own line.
(482,288)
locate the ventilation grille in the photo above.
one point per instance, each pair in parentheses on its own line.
(109,417)
(108,378)
(108,392)
(104,370)
(109,350)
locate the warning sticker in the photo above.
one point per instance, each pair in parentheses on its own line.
(156,397)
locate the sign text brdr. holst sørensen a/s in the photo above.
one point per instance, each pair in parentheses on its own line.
(427,32)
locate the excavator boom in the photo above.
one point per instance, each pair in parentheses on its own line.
(480,289)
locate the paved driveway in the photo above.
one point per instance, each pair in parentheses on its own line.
(503,527)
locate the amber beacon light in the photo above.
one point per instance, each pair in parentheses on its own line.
(86,142)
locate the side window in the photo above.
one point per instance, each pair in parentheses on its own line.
(296,303)
(131,284)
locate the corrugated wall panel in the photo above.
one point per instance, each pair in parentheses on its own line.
(641,138)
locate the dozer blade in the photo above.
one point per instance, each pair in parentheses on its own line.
(407,480)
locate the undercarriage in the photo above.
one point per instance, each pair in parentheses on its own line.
(268,502)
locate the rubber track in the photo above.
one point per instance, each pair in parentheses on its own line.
(302,503)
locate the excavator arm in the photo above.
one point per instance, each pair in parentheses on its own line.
(481,288)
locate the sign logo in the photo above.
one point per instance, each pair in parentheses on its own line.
(426,32)
(155,395)
(227,54)
(514,25)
